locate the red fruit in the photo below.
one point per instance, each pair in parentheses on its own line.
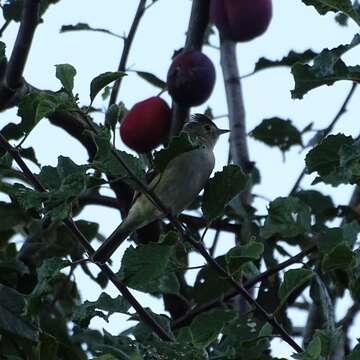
(191,78)
(146,125)
(241,20)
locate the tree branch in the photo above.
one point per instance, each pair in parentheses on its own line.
(126,50)
(17,61)
(187,318)
(325,132)
(192,221)
(70,224)
(234,96)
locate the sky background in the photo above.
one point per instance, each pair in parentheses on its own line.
(266,94)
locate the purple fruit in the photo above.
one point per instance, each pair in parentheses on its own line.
(241,20)
(191,78)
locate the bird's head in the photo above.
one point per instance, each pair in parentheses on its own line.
(201,127)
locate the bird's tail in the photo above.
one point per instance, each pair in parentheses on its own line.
(110,245)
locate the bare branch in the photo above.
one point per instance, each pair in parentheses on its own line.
(126,50)
(234,96)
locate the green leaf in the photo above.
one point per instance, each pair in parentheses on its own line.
(277,132)
(221,189)
(326,69)
(12,310)
(330,238)
(48,347)
(149,268)
(321,205)
(66,73)
(99,82)
(84,26)
(241,254)
(345,6)
(178,145)
(152,79)
(11,216)
(206,327)
(12,9)
(312,351)
(340,257)
(37,106)
(293,279)
(85,312)
(326,160)
(105,161)
(289,60)
(46,274)
(355,353)
(288,217)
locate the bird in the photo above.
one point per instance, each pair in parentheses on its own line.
(177,186)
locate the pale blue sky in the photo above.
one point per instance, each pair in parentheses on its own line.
(267,94)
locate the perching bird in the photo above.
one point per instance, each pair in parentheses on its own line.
(176,187)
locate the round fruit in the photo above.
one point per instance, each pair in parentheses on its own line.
(191,78)
(241,20)
(146,125)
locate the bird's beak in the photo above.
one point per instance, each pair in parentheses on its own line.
(223,131)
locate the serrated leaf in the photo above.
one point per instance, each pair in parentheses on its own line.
(345,6)
(66,73)
(278,133)
(206,327)
(85,312)
(99,82)
(12,310)
(105,161)
(178,145)
(241,254)
(326,160)
(221,189)
(152,79)
(293,279)
(37,106)
(288,217)
(326,69)
(149,268)
(289,60)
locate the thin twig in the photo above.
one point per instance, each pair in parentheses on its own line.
(325,132)
(15,67)
(187,318)
(126,50)
(4,27)
(70,224)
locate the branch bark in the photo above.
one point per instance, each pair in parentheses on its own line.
(236,110)
(20,52)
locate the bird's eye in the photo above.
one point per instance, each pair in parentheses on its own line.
(207,127)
